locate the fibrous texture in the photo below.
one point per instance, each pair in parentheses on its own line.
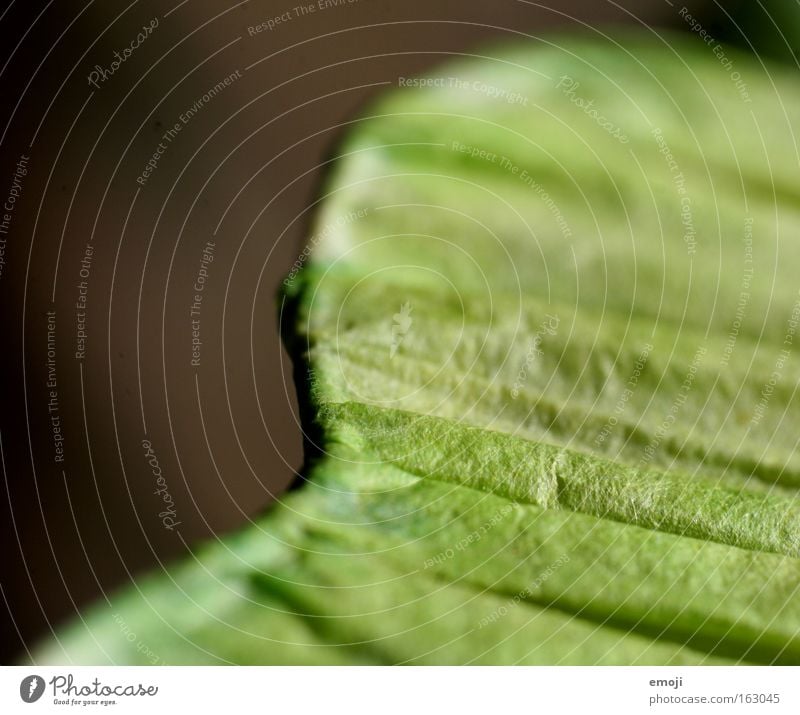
(546,342)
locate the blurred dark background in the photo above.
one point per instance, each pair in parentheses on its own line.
(98,378)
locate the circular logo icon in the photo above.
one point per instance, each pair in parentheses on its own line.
(31,688)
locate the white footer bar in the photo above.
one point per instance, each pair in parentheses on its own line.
(404,691)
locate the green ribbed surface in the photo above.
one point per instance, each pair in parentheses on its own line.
(554,385)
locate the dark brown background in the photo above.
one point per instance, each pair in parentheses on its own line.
(251,159)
